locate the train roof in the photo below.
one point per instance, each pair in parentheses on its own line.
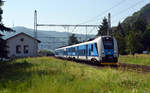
(87,42)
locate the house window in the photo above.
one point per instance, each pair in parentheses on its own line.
(22,39)
(18,49)
(26,49)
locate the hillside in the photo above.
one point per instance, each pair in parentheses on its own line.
(45,37)
(143,13)
(133,34)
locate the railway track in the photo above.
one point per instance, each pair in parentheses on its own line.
(119,66)
(135,67)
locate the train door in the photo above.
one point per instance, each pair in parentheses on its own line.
(77,52)
(89,50)
(86,52)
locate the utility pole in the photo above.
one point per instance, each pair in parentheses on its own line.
(109,23)
(35,30)
(35,24)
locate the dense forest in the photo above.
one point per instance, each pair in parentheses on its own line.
(133,34)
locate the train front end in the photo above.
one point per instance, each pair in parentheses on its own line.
(108,50)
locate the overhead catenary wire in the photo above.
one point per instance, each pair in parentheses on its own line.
(125,10)
(96,18)
(91,30)
(104,12)
(134,5)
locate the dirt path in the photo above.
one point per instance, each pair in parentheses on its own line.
(135,67)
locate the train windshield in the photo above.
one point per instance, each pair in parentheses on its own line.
(108,42)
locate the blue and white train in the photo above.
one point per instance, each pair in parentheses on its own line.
(103,49)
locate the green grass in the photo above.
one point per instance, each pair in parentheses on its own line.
(141,59)
(50,75)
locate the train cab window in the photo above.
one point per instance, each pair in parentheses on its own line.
(96,46)
(108,42)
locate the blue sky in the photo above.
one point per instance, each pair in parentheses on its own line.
(20,12)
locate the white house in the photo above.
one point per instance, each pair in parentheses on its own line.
(22,45)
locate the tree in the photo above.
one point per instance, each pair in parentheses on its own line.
(133,42)
(139,28)
(134,36)
(120,37)
(3,48)
(72,40)
(126,28)
(3,45)
(46,53)
(140,24)
(2,27)
(1,11)
(103,28)
(146,39)
(121,29)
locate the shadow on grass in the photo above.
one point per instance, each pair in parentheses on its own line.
(16,73)
(10,71)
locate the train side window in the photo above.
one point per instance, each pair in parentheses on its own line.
(80,52)
(83,52)
(89,52)
(91,47)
